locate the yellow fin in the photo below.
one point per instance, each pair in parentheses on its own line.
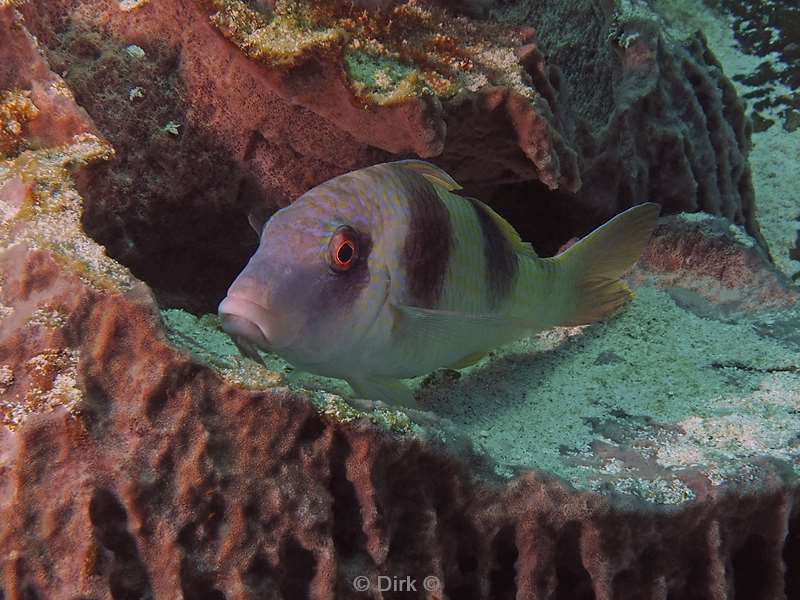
(467,361)
(430,172)
(590,270)
(508,230)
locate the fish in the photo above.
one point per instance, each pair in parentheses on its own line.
(387,273)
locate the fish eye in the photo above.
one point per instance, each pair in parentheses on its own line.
(343,249)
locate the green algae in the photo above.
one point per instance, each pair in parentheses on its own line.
(205,340)
(382,78)
(388,55)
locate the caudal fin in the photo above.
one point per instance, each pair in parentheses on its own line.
(591,269)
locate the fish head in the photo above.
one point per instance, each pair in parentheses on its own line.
(313,286)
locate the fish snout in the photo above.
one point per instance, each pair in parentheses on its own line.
(245,321)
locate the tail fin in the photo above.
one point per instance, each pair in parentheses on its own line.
(590,269)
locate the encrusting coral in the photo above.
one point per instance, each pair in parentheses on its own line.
(43,210)
(16,108)
(390,53)
(411,53)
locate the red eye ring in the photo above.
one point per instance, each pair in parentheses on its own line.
(343,249)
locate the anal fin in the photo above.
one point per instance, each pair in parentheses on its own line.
(467,361)
(385,389)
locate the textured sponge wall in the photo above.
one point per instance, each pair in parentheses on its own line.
(588,112)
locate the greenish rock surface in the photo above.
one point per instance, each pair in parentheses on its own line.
(633,405)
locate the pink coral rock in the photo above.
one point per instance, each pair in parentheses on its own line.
(141,460)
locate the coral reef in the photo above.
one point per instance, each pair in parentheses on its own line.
(652,456)
(654,118)
(28,87)
(758,59)
(190,483)
(230,107)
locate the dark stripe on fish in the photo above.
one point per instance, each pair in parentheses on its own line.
(501,259)
(429,242)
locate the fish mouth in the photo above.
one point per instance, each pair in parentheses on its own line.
(241,320)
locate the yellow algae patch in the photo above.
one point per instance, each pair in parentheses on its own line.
(249,375)
(129,5)
(49,217)
(53,383)
(284,40)
(389,55)
(16,108)
(335,407)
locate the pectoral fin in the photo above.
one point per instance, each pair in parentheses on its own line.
(472,332)
(391,391)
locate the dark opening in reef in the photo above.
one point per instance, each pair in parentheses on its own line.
(300,566)
(128,575)
(794,253)
(573,581)
(503,576)
(168,206)
(543,217)
(751,568)
(187,253)
(791,558)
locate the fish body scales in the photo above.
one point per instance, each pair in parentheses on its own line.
(465,287)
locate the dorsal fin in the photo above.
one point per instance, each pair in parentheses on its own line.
(508,230)
(438,177)
(430,172)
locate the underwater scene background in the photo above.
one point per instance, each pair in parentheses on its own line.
(654,454)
